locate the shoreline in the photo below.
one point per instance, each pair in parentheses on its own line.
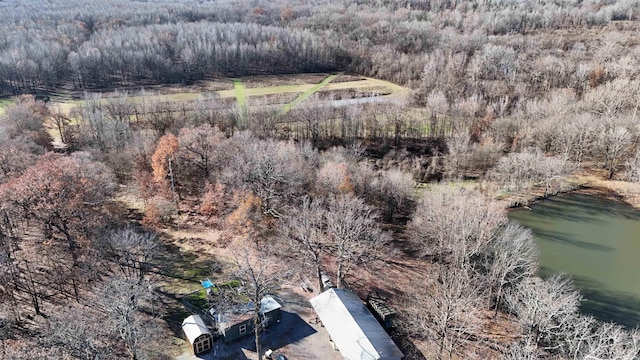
(589,184)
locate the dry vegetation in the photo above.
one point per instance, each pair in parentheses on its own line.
(150,192)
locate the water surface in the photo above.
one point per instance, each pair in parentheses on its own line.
(597,242)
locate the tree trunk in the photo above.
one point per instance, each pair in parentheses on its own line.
(319,278)
(498,299)
(256,329)
(339,276)
(442,341)
(32,290)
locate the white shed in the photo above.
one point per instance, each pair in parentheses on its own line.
(352,327)
(197,333)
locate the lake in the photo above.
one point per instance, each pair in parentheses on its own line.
(597,242)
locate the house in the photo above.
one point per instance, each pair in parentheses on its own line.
(237,323)
(198,335)
(354,331)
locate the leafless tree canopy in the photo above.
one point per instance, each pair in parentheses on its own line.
(454,224)
(445,308)
(261,277)
(132,250)
(123,122)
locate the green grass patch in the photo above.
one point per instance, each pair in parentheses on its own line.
(308,93)
(241,94)
(4,103)
(198,299)
(230,283)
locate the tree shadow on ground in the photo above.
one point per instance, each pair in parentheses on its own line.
(174,312)
(181,272)
(291,329)
(177,264)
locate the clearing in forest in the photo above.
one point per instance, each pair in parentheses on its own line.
(288,91)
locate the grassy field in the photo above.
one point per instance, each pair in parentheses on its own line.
(240,93)
(293,86)
(4,102)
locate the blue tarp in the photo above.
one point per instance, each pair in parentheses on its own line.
(207,284)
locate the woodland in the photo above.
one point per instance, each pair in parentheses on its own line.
(509,101)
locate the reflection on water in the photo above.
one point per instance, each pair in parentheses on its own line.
(597,242)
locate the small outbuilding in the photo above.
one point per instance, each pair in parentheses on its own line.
(198,335)
(381,310)
(237,323)
(352,328)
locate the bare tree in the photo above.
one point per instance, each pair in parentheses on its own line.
(395,190)
(574,139)
(261,278)
(459,148)
(632,168)
(513,258)
(304,227)
(355,236)
(77,334)
(198,148)
(529,168)
(125,301)
(132,250)
(454,224)
(544,308)
(445,308)
(523,350)
(612,341)
(119,106)
(584,337)
(614,143)
(274,171)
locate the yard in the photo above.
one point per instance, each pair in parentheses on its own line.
(296,335)
(195,254)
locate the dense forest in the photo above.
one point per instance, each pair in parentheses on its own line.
(508,101)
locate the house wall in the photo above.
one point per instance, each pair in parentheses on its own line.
(233,332)
(273,317)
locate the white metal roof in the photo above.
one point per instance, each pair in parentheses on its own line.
(246,312)
(193,326)
(268,304)
(352,327)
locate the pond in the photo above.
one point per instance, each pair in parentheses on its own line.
(597,242)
